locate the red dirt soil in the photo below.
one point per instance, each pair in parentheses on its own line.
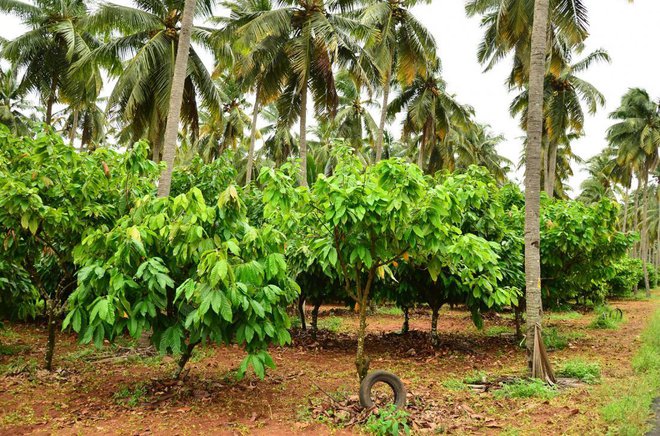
(87,397)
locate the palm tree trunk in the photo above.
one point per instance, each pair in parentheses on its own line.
(551,171)
(74,127)
(533,181)
(645,235)
(383,115)
(626,199)
(176,97)
(422,146)
(253,138)
(303,134)
(636,219)
(51,101)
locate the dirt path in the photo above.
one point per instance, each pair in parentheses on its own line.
(135,396)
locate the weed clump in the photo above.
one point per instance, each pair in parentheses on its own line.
(588,372)
(526,388)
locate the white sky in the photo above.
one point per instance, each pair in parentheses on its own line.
(628,31)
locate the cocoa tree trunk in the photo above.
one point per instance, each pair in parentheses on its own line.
(50,344)
(301,312)
(435,311)
(315,319)
(533,175)
(406,320)
(361,359)
(518,322)
(185,357)
(176,97)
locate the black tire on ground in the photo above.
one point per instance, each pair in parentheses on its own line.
(389,379)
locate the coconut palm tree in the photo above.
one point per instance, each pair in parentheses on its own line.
(260,66)
(280,143)
(539,367)
(55,39)
(476,145)
(14,105)
(317,36)
(353,120)
(142,54)
(401,49)
(429,111)
(636,136)
(565,94)
(508,30)
(86,119)
(224,129)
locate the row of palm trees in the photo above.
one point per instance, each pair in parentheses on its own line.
(631,157)
(359,65)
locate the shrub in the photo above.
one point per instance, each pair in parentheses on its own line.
(627,273)
(606,318)
(51,196)
(526,388)
(588,372)
(189,271)
(554,340)
(388,421)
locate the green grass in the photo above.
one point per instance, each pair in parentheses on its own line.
(588,372)
(12,350)
(454,384)
(564,316)
(606,318)
(526,389)
(499,330)
(201,353)
(130,396)
(474,377)
(628,413)
(333,324)
(554,340)
(388,421)
(18,366)
(389,310)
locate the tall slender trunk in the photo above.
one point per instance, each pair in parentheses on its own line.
(533,180)
(626,200)
(303,135)
(435,311)
(422,146)
(551,171)
(253,138)
(50,345)
(50,101)
(74,127)
(176,97)
(383,114)
(636,217)
(657,239)
(645,235)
